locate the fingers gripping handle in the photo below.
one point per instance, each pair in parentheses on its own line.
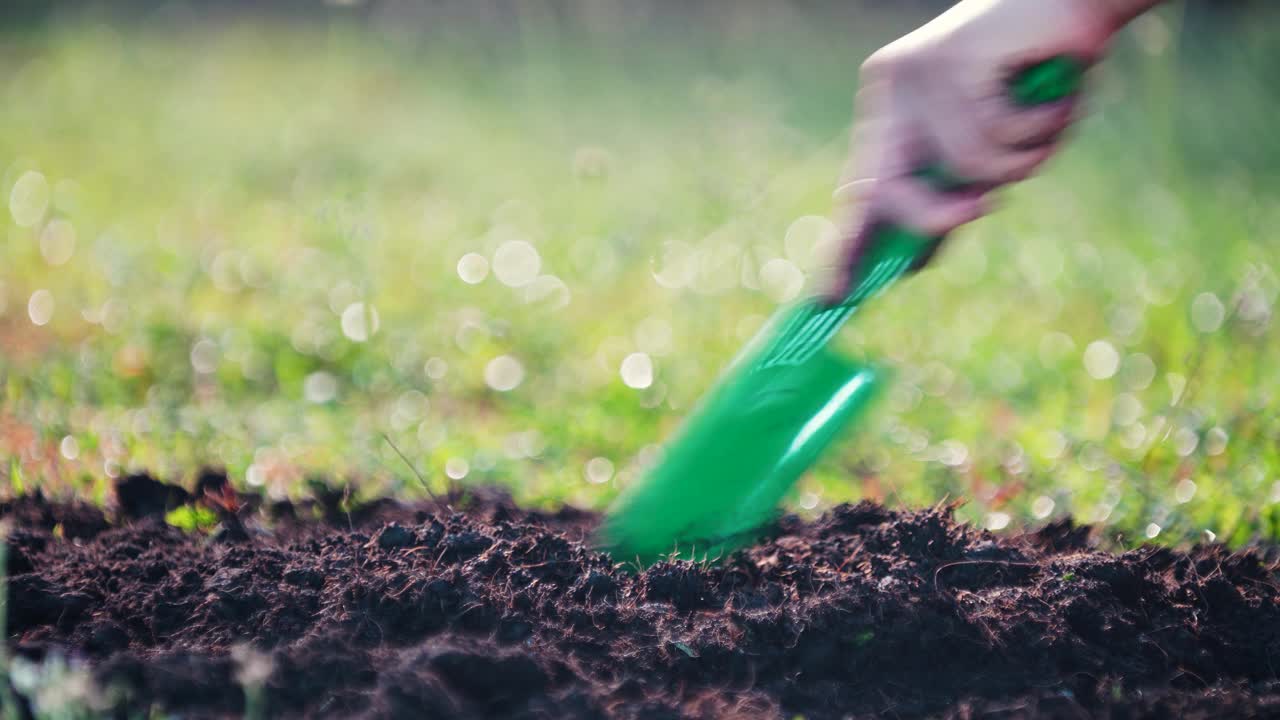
(1049,81)
(1043,83)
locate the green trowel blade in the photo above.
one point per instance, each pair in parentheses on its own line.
(778,405)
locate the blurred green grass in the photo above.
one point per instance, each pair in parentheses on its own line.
(212,220)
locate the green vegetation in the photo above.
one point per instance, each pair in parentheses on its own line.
(192,518)
(245,246)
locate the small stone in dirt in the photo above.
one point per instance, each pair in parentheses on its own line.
(465,545)
(281,510)
(23,546)
(408,694)
(495,682)
(229,580)
(595,586)
(513,630)
(230,530)
(847,518)
(393,536)
(155,572)
(985,550)
(106,636)
(890,584)
(34,600)
(677,583)
(304,577)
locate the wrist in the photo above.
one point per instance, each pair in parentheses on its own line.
(1118,13)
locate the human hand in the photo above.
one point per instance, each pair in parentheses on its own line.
(940,97)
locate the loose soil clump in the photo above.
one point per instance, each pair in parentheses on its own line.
(472,607)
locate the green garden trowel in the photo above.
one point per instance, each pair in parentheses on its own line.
(781,402)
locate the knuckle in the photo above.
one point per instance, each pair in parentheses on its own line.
(935,225)
(1010,169)
(877,67)
(969,163)
(954,217)
(1030,127)
(1011,129)
(928,213)
(887,63)
(1017,174)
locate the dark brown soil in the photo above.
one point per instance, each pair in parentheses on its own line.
(388,611)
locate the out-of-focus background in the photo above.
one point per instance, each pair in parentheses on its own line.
(518,240)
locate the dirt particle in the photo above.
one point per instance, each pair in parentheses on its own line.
(393,536)
(679,583)
(140,496)
(464,545)
(494,680)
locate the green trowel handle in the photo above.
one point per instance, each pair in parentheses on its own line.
(1049,81)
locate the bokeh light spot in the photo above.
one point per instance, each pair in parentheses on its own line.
(998,520)
(255,475)
(1127,410)
(473,268)
(1101,360)
(436,368)
(952,453)
(811,242)
(1055,347)
(58,242)
(457,468)
(1137,371)
(320,387)
(1184,491)
(503,373)
(598,470)
(637,370)
(1177,384)
(1185,441)
(547,288)
(781,280)
(1207,312)
(40,307)
(1042,507)
(204,356)
(532,443)
(1215,441)
(359,322)
(516,263)
(648,456)
(29,199)
(678,266)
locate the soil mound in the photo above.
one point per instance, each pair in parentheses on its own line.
(471,607)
